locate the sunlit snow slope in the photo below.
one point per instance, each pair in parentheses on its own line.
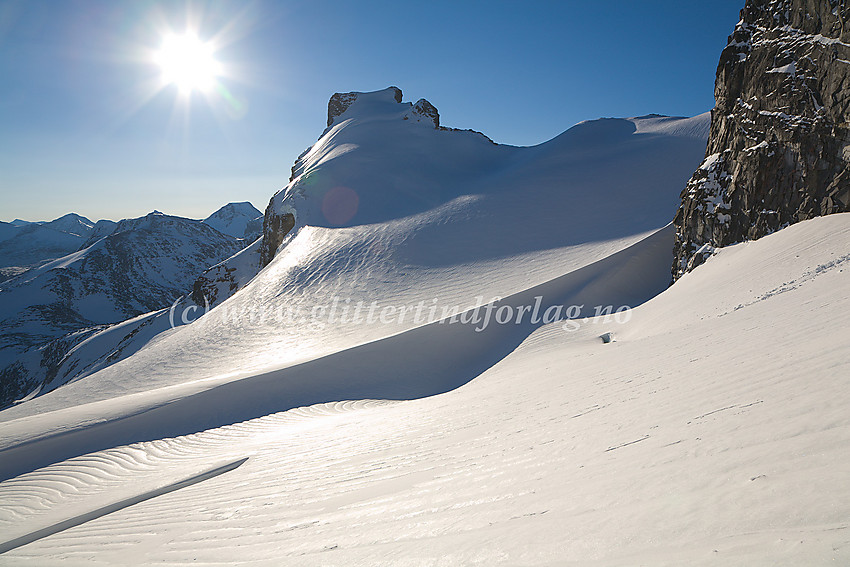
(444,217)
(712,431)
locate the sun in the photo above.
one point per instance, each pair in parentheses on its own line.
(187,62)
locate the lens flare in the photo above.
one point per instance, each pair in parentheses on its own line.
(339,205)
(187,62)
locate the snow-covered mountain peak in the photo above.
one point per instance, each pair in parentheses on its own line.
(151,221)
(607,132)
(25,244)
(383,104)
(241,220)
(137,266)
(231,209)
(358,103)
(424,167)
(72,223)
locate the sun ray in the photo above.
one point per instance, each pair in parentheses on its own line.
(188,62)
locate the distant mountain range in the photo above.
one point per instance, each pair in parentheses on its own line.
(26,244)
(103,273)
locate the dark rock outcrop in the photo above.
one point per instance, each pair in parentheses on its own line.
(340,102)
(205,289)
(426,110)
(226,278)
(275,228)
(779,148)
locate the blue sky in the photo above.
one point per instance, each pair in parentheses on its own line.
(86,126)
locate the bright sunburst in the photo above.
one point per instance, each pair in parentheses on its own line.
(187,62)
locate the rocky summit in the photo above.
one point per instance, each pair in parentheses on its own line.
(779,148)
(277,221)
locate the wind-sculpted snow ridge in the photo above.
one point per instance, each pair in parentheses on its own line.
(424,361)
(442,216)
(713,430)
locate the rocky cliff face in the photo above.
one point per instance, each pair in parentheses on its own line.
(219,282)
(779,147)
(276,226)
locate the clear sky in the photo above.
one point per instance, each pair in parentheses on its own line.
(88,125)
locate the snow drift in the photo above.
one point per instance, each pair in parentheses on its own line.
(710,429)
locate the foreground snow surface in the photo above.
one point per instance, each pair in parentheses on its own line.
(712,431)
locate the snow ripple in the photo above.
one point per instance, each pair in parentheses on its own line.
(75,489)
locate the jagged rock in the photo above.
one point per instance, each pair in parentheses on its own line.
(275,228)
(779,147)
(340,102)
(425,110)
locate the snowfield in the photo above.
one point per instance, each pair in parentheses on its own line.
(712,428)
(713,431)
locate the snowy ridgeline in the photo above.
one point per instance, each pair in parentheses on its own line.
(282,427)
(450,217)
(26,244)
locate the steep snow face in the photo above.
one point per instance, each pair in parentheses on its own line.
(713,430)
(445,219)
(143,265)
(236,219)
